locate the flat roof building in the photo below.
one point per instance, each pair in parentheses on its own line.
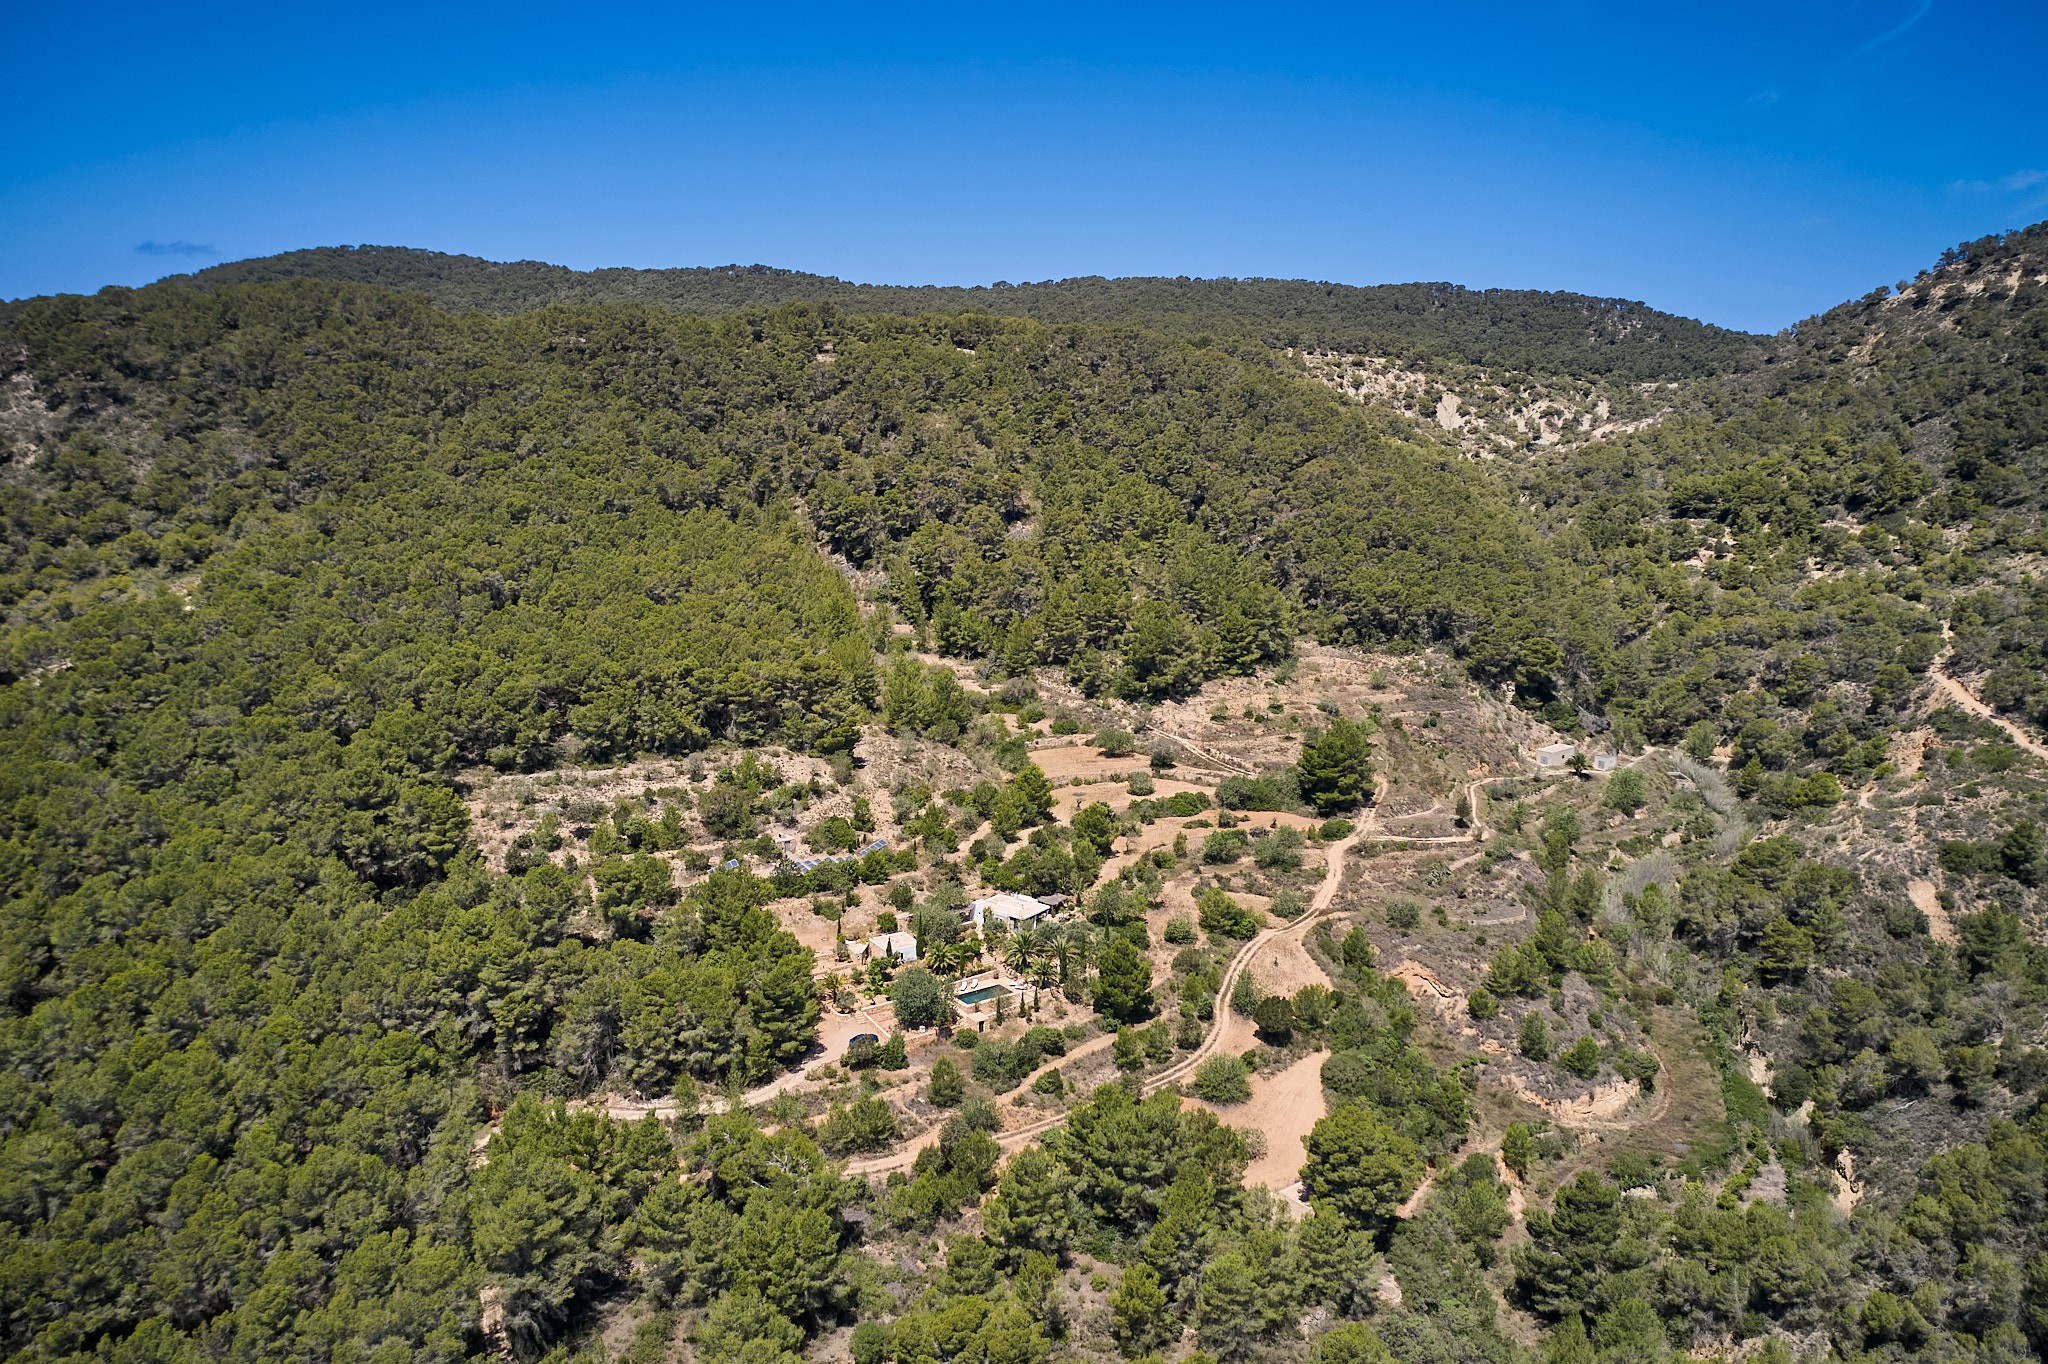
(1010,910)
(902,946)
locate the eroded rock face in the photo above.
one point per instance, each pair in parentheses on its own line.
(1603,1103)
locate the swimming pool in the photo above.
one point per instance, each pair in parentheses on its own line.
(984,994)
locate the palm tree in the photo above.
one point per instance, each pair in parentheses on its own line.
(1074,945)
(1021,949)
(945,959)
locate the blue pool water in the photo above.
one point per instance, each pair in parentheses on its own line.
(985,993)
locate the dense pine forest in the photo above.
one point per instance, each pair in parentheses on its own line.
(465,726)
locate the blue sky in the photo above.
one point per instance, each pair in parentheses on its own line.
(1746,164)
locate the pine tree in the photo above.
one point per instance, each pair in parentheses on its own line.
(1034,793)
(1335,767)
(1137,1312)
(1123,980)
(1359,1166)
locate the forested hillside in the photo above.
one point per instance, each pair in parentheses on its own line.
(1516,328)
(467,726)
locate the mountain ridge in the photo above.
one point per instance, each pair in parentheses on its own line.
(1526,329)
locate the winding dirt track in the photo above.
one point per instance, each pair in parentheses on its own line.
(1326,895)
(1922,892)
(1946,683)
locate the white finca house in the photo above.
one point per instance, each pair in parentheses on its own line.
(1011,911)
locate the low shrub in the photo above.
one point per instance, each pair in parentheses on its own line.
(1222,1080)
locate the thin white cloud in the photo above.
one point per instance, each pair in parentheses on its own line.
(2015,183)
(1893,34)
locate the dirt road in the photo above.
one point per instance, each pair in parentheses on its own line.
(1946,684)
(1326,895)
(1922,892)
